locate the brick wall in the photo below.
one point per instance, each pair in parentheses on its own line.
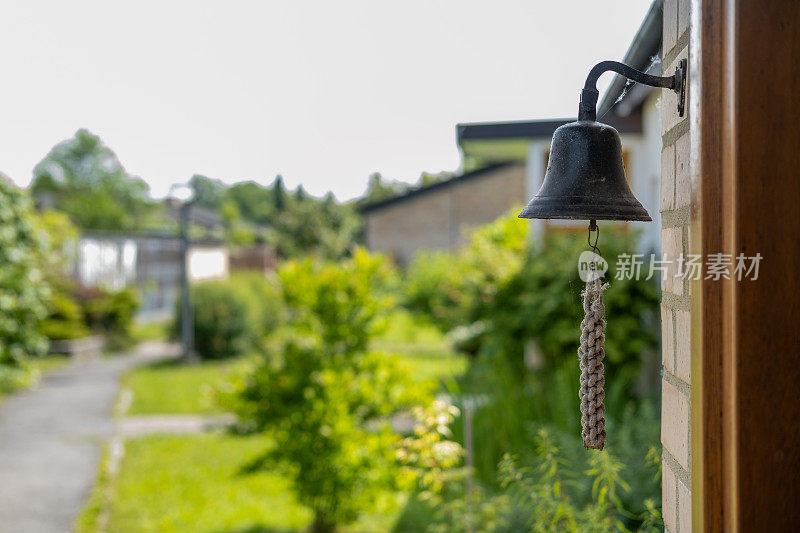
(675,199)
(441,218)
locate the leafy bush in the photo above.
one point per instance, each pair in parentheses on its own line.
(325,398)
(265,290)
(431,287)
(453,288)
(502,297)
(543,489)
(434,463)
(550,494)
(516,307)
(542,302)
(23,290)
(109,312)
(225,318)
(76,310)
(64,319)
(60,236)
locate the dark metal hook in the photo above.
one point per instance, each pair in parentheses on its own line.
(587,108)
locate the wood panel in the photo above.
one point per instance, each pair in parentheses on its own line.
(767,207)
(706,98)
(746,441)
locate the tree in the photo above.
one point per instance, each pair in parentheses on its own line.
(255,202)
(300,194)
(279,194)
(23,290)
(380,189)
(427,178)
(323,395)
(296,224)
(84,178)
(208,193)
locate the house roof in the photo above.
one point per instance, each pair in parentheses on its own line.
(531,129)
(121,235)
(418,191)
(520,129)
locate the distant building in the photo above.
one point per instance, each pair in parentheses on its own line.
(149,262)
(437,217)
(512,158)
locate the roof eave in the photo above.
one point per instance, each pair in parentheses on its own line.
(418,191)
(646,44)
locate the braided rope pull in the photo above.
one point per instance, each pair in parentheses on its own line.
(591,354)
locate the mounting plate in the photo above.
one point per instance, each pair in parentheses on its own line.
(681,73)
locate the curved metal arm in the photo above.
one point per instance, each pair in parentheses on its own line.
(587,109)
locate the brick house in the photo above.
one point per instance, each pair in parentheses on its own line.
(437,217)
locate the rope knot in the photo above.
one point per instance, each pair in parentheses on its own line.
(591,354)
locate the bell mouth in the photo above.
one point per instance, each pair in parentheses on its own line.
(583,208)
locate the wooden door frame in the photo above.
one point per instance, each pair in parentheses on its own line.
(745,127)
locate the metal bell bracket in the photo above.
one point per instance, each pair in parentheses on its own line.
(677,82)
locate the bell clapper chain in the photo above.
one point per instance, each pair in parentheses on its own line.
(591,354)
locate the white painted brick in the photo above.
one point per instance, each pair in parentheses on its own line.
(669,497)
(671,249)
(684,508)
(670,25)
(683,15)
(675,423)
(667,202)
(667,342)
(683,345)
(683,180)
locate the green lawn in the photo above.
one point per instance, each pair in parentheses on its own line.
(426,363)
(177,388)
(422,348)
(150,331)
(197,484)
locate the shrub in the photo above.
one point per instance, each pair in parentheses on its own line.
(324,397)
(60,236)
(431,287)
(225,319)
(64,319)
(265,290)
(108,312)
(517,307)
(550,493)
(23,290)
(452,288)
(119,313)
(500,295)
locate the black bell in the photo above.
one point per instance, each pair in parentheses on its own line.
(585,178)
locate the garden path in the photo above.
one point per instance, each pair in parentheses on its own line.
(51,438)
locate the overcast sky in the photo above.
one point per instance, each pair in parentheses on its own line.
(324,92)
